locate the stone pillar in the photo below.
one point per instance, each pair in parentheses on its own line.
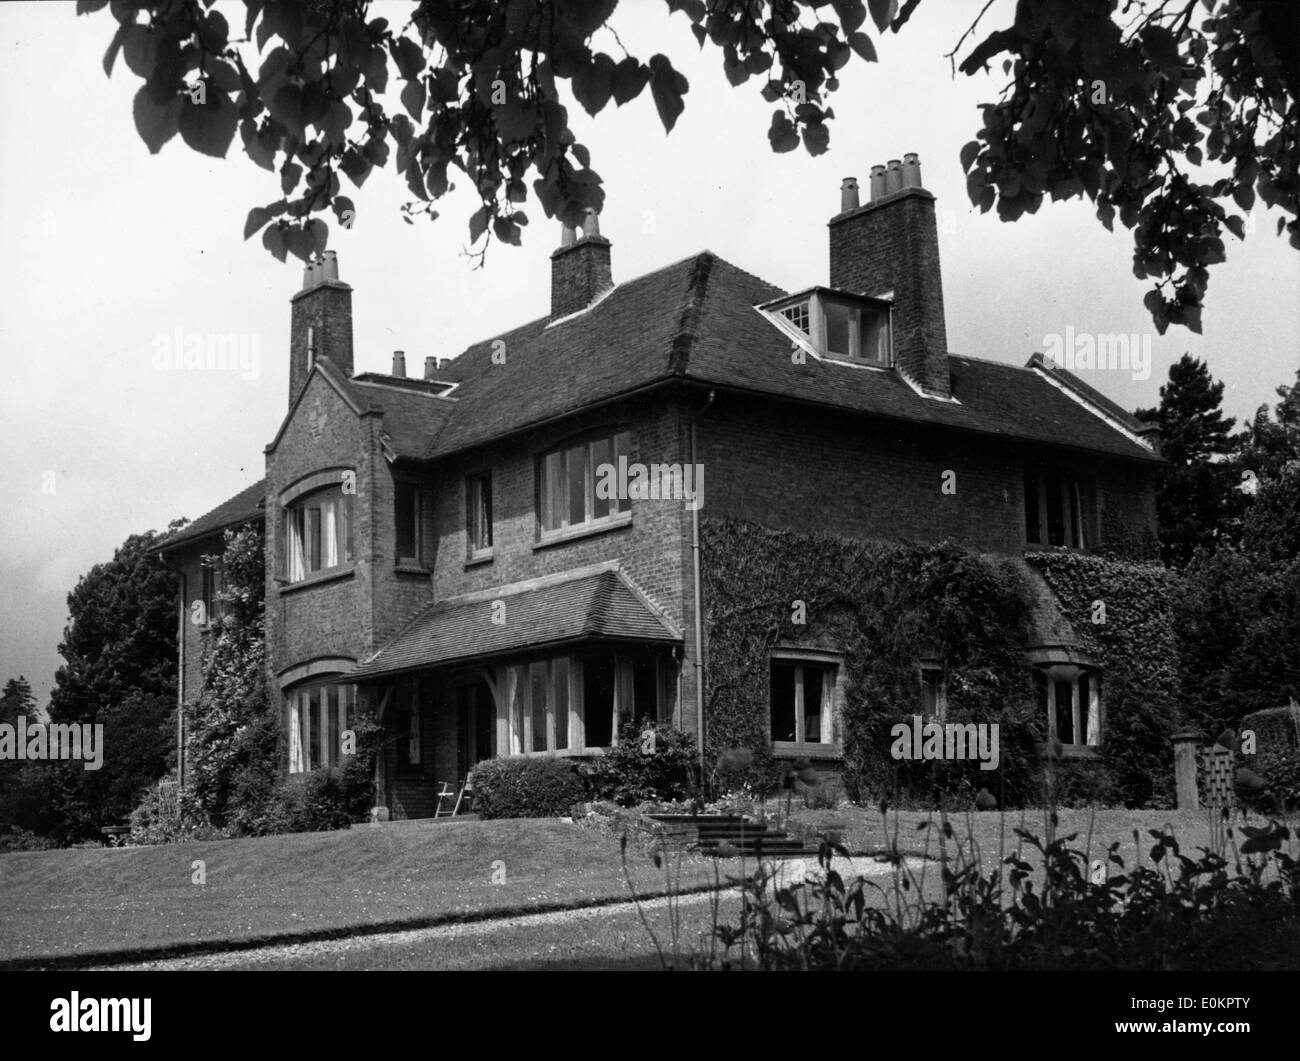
(1185,744)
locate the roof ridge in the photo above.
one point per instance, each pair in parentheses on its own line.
(697,286)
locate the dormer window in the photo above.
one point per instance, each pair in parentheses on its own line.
(840,326)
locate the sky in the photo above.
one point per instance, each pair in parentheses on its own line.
(109,250)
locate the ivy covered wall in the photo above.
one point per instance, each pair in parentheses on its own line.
(884,606)
(1122,613)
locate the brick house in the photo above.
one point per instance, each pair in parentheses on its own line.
(440,550)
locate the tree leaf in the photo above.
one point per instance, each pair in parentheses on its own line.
(882,12)
(478,224)
(115,45)
(968,155)
(667,86)
(413,97)
(861,44)
(156,124)
(782,134)
(593,83)
(208,127)
(629,79)
(274,241)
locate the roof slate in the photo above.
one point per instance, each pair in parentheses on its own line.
(695,320)
(245,506)
(587,605)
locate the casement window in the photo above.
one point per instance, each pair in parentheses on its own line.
(478,516)
(407,523)
(566,486)
(934,701)
(317,533)
(839,325)
(1056,507)
(1069,698)
(801,695)
(318,714)
(210,589)
(573,703)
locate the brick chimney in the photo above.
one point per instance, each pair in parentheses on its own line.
(320,323)
(580,269)
(891,245)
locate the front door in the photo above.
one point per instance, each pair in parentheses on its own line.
(475,726)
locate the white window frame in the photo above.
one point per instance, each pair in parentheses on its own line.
(813,306)
(1086,718)
(513,690)
(831,666)
(620,508)
(296,544)
(301,719)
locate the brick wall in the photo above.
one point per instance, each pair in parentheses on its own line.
(892,244)
(818,472)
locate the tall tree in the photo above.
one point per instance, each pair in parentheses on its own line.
(1197,495)
(16,699)
(119,649)
(121,634)
(1119,103)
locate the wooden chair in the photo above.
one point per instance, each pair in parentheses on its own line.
(446,793)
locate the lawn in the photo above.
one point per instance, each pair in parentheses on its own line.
(82,901)
(416,874)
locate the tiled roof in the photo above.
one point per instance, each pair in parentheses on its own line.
(582,605)
(245,506)
(695,320)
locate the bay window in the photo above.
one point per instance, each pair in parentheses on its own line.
(1069,698)
(574,703)
(317,533)
(318,714)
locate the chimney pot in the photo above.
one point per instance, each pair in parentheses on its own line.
(894,247)
(893,177)
(849,195)
(590,223)
(911,171)
(567,236)
(330,266)
(877,182)
(430,367)
(399,363)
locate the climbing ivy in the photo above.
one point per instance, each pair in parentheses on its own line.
(884,607)
(1122,614)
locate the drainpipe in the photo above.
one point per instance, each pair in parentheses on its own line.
(699,619)
(180,691)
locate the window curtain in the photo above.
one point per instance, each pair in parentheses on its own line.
(296,765)
(297,559)
(330,533)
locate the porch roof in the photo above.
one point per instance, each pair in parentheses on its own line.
(593,603)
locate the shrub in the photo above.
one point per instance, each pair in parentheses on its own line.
(1277,757)
(544,787)
(1233,907)
(642,770)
